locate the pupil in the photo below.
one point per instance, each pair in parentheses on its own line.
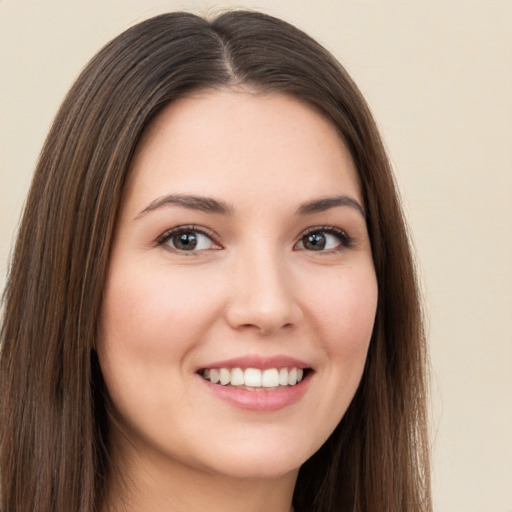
(315,241)
(185,241)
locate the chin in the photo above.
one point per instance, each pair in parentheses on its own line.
(261,461)
(261,468)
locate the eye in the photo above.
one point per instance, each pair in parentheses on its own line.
(324,239)
(187,239)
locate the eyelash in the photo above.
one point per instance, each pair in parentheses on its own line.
(346,242)
(181,230)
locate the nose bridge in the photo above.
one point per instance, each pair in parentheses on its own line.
(262,294)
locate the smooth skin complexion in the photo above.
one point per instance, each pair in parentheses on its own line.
(241,244)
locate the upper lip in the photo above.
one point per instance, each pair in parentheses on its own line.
(263,363)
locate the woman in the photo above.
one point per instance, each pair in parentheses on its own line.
(212,301)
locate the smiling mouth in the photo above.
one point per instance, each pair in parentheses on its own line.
(255,379)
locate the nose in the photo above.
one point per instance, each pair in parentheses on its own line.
(262,296)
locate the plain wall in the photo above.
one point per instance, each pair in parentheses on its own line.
(438,77)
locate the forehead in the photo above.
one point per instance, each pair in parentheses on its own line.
(226,141)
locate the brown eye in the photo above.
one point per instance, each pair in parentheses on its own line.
(184,241)
(187,240)
(324,239)
(314,241)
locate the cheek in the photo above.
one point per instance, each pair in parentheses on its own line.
(343,309)
(155,311)
(151,323)
(347,306)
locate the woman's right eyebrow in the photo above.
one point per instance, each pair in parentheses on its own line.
(199,203)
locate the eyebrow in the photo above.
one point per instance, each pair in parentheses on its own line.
(217,207)
(326,203)
(199,203)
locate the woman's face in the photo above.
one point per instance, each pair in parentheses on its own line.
(241,254)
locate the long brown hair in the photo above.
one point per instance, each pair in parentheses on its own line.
(54,453)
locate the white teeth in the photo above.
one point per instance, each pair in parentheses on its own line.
(270,378)
(237,377)
(225,376)
(254,377)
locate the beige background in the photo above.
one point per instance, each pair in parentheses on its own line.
(438,76)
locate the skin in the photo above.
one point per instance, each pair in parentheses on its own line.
(253,286)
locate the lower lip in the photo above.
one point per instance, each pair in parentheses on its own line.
(259,400)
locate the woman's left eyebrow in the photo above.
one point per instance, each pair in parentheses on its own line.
(326,203)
